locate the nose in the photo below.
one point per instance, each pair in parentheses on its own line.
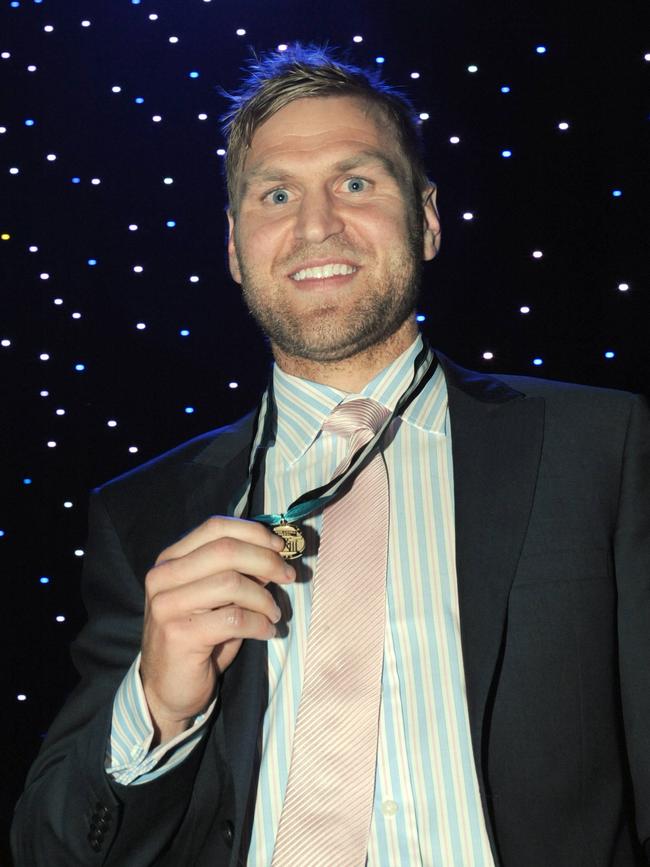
(318,218)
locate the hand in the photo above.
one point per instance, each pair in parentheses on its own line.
(203,596)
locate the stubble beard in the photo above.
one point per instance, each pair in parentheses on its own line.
(327,331)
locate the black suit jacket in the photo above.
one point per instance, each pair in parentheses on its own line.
(552,499)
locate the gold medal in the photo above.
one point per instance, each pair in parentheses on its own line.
(294,541)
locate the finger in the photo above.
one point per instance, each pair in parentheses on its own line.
(213,628)
(217,527)
(212,592)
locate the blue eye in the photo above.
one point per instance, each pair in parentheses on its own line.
(359,182)
(275,194)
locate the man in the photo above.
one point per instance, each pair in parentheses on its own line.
(512,724)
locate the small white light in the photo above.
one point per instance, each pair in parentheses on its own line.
(488,356)
(50,158)
(67,504)
(623,287)
(44,393)
(240,31)
(44,276)
(282,46)
(5,55)
(141,326)
(116,88)
(78,552)
(415,75)
(133,227)
(454,139)
(468,215)
(58,301)
(357,38)
(13,170)
(537,254)
(31,68)
(233,385)
(44,356)
(3,129)
(51,444)
(194,279)
(21,696)
(60,618)
(646,57)
(60,412)
(111,423)
(85,23)
(173,39)
(48,28)
(524,309)
(472,68)
(424,115)
(221,152)
(5,342)
(76,315)
(168,181)
(156,118)
(33,249)
(95,181)
(153,17)
(563,125)
(133,449)
(202,116)
(138,269)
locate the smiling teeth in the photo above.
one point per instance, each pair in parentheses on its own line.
(323,272)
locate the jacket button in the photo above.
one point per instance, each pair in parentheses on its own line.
(228,831)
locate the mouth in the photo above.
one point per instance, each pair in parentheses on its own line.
(332,274)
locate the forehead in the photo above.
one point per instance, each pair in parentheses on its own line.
(312,127)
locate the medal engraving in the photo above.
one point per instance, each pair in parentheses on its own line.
(294,541)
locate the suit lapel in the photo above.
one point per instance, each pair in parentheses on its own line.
(496,440)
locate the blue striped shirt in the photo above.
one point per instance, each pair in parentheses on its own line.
(427,808)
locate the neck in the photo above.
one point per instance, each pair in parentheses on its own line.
(354,373)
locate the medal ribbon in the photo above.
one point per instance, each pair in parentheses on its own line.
(320,497)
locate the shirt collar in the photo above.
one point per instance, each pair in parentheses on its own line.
(303,405)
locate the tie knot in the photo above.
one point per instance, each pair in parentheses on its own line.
(362,414)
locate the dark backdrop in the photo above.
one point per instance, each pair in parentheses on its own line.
(578,195)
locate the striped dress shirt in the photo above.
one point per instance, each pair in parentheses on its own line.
(427,808)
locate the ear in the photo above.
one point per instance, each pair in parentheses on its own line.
(431,223)
(233,257)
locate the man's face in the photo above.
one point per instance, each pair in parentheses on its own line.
(323,191)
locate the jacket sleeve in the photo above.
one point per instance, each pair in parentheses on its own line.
(71,813)
(632,552)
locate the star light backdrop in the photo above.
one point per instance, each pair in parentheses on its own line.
(121,333)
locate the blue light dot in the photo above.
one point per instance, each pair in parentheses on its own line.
(2,532)
(194,74)
(506,154)
(92,261)
(14,4)
(420,317)
(505,89)
(617,193)
(380,59)
(44,579)
(538,361)
(184,332)
(170,224)
(135,2)
(541,49)
(76,180)
(80,367)
(189,410)
(27,481)
(610,354)
(139,100)
(30,122)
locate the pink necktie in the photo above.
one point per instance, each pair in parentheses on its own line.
(326,815)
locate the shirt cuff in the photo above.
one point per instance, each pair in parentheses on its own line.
(129,757)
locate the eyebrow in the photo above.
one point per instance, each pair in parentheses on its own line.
(271,174)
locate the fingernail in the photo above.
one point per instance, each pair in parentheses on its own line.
(277,615)
(289,571)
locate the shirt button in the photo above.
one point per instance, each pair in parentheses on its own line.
(389,808)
